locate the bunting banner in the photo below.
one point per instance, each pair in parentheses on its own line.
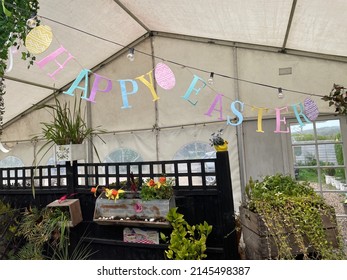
(164,77)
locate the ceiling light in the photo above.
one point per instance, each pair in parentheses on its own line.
(210,79)
(280,93)
(131,55)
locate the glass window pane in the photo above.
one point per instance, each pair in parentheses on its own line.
(328,130)
(306,174)
(304,134)
(305,155)
(330,154)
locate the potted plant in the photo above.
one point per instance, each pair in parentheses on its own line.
(218,142)
(338,98)
(186,242)
(329,175)
(283,219)
(148,206)
(67,131)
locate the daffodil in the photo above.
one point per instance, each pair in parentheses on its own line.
(113,194)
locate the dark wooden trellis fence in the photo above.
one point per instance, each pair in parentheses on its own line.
(203,192)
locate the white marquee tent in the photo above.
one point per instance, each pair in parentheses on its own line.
(253,47)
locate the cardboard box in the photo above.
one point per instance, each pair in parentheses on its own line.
(136,235)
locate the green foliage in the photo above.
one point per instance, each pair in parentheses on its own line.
(13,28)
(80,251)
(186,242)
(42,227)
(337,97)
(47,236)
(162,189)
(286,205)
(13,31)
(68,125)
(8,228)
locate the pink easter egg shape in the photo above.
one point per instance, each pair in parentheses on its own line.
(164,76)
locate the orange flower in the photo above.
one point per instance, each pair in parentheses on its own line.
(94,190)
(162,180)
(114,192)
(151,183)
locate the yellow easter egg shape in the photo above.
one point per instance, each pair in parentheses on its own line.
(39,39)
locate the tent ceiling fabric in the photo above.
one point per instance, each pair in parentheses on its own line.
(94,30)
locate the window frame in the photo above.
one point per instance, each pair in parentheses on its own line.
(316,143)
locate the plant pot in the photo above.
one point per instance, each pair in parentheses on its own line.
(69,152)
(221,148)
(328,179)
(132,211)
(73,207)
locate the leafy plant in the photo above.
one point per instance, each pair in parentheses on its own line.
(8,228)
(216,138)
(47,236)
(48,226)
(13,31)
(162,189)
(287,206)
(80,252)
(67,127)
(338,98)
(186,242)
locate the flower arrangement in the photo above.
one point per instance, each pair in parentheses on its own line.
(161,189)
(109,193)
(218,142)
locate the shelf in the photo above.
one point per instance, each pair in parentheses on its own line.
(132,223)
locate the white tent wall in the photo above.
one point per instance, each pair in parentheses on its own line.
(264,153)
(154,129)
(309,75)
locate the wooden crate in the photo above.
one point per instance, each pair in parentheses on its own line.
(259,246)
(74,208)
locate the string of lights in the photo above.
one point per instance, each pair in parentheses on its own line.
(132,51)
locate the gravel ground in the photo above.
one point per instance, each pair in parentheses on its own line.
(335,200)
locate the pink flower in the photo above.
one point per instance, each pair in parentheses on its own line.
(138,207)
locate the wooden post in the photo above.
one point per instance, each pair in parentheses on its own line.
(71,172)
(225,193)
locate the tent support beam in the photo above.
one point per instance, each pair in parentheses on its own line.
(255,47)
(65,87)
(120,4)
(283,50)
(28,83)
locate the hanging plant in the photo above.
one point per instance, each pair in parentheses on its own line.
(17,19)
(338,98)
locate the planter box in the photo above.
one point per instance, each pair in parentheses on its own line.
(132,211)
(69,152)
(259,247)
(74,208)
